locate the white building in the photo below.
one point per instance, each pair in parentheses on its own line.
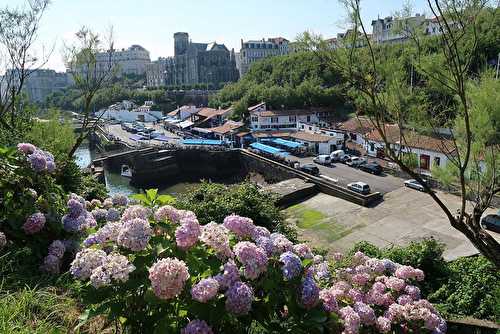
(429,151)
(133,60)
(252,51)
(390,30)
(262,118)
(127,111)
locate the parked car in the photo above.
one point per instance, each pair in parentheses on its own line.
(359,187)
(355,161)
(414,184)
(323,159)
(491,222)
(345,158)
(310,169)
(337,155)
(371,167)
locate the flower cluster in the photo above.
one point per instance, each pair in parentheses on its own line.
(100,267)
(292,266)
(197,327)
(34,223)
(168,277)
(39,160)
(216,237)
(134,234)
(187,234)
(241,226)
(205,290)
(78,218)
(253,258)
(239,298)
(119,200)
(369,295)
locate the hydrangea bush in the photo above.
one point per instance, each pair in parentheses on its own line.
(156,269)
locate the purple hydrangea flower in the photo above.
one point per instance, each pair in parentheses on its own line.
(303,250)
(365,312)
(134,234)
(38,161)
(197,327)
(57,248)
(99,214)
(205,290)
(239,298)
(351,319)
(260,231)
(266,244)
(229,276)
(119,200)
(136,211)
(34,223)
(280,243)
(86,261)
(292,265)
(243,227)
(253,258)
(108,232)
(383,324)
(75,208)
(113,215)
(309,292)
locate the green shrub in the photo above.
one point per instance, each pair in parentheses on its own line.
(472,289)
(213,202)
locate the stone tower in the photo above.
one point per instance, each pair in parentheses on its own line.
(181,43)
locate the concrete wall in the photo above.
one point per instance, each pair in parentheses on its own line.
(132,116)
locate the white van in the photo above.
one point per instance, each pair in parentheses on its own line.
(322,159)
(337,155)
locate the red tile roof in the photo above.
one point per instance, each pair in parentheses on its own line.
(226,127)
(361,125)
(311,137)
(210,112)
(412,139)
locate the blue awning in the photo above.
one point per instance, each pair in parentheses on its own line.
(287,143)
(203,142)
(268,149)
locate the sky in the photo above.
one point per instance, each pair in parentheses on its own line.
(152,23)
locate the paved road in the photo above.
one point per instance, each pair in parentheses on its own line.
(383,183)
(124,136)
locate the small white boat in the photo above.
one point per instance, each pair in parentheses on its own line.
(126,171)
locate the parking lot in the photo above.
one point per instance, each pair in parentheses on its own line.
(383,183)
(117,131)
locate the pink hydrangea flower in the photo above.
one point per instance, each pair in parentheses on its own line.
(253,258)
(136,211)
(383,324)
(187,234)
(26,148)
(243,227)
(216,236)
(34,223)
(329,300)
(168,277)
(395,283)
(86,261)
(303,250)
(351,318)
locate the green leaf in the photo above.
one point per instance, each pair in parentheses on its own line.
(165,199)
(140,197)
(151,194)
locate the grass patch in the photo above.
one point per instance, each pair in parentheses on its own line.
(314,223)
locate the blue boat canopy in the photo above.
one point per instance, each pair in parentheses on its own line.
(268,149)
(203,142)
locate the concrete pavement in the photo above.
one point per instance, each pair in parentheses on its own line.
(405,215)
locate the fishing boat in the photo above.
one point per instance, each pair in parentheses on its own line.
(126,171)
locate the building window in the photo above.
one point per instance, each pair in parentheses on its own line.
(292,118)
(302,126)
(255,119)
(308,119)
(372,147)
(437,161)
(424,161)
(274,119)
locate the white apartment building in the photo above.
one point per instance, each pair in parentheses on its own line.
(261,118)
(390,30)
(133,60)
(252,51)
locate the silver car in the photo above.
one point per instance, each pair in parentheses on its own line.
(414,184)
